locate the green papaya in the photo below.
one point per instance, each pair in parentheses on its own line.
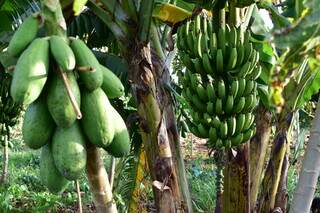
(58,101)
(85,58)
(111,84)
(30,74)
(69,151)
(49,174)
(62,53)
(25,34)
(120,145)
(38,126)
(97,121)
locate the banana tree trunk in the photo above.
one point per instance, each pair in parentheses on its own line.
(258,149)
(236,193)
(270,182)
(282,195)
(98,181)
(148,77)
(309,172)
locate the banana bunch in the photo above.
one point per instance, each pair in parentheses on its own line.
(67,94)
(219,81)
(9,110)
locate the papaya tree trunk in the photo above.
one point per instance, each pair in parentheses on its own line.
(149,77)
(98,181)
(236,193)
(309,172)
(270,182)
(258,150)
(5,160)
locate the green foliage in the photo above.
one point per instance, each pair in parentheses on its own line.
(78,6)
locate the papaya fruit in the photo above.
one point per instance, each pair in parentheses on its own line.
(58,101)
(30,73)
(69,151)
(111,84)
(120,145)
(85,58)
(62,53)
(38,126)
(97,121)
(25,34)
(49,174)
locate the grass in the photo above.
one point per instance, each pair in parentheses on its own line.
(24,191)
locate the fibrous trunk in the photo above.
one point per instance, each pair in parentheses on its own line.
(270,182)
(258,149)
(236,193)
(98,181)
(149,77)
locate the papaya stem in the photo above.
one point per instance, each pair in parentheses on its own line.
(79,196)
(72,98)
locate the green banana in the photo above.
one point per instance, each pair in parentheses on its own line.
(249,87)
(211,92)
(240,121)
(250,101)
(237,139)
(248,121)
(218,108)
(207,118)
(242,86)
(198,45)
(222,40)
(248,51)
(198,104)
(247,135)
(232,123)
(229,104)
(202,93)
(223,129)
(206,64)
(195,80)
(254,75)
(227,144)
(213,136)
(219,61)
(232,61)
(219,143)
(241,52)
(198,65)
(203,131)
(221,89)
(239,106)
(213,44)
(187,61)
(234,88)
(210,108)
(244,70)
(233,37)
(216,122)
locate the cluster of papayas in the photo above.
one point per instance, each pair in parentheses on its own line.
(54,75)
(219,83)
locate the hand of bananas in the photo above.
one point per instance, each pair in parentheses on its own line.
(219,82)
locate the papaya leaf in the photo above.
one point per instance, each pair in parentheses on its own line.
(170,13)
(78,6)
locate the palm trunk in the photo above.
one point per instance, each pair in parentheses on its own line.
(309,173)
(98,181)
(236,193)
(158,130)
(258,149)
(270,182)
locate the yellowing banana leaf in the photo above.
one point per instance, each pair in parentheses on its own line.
(169,13)
(78,6)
